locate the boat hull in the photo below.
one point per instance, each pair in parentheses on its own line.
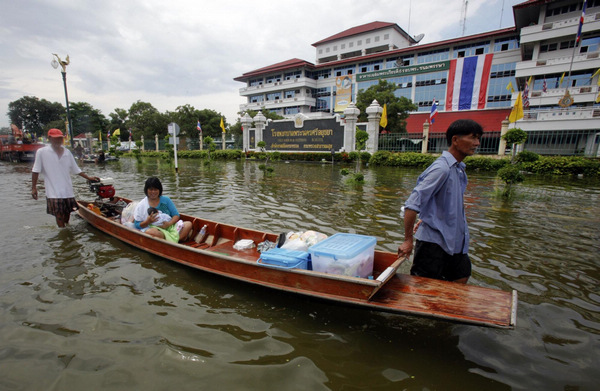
(388,291)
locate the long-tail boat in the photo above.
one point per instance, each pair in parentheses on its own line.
(388,291)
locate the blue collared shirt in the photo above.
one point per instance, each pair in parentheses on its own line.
(438,198)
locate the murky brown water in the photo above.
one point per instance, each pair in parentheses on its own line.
(80,310)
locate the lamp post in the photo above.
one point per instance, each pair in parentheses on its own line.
(63,65)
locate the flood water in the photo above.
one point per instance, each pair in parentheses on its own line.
(81,310)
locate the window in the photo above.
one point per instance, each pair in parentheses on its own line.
(433,56)
(475,49)
(386,36)
(377,38)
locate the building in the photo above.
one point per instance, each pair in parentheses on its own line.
(469,77)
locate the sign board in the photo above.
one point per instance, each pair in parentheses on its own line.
(403,71)
(174,140)
(173,128)
(316,135)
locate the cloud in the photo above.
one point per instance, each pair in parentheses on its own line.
(188,52)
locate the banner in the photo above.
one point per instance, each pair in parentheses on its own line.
(468,79)
(343,92)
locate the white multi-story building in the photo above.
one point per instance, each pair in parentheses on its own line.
(467,76)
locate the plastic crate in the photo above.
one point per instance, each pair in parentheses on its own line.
(283,258)
(344,254)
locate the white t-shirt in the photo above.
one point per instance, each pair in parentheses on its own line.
(57,172)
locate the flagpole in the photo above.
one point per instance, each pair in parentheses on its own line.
(577,38)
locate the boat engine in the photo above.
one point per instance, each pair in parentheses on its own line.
(106,204)
(103,188)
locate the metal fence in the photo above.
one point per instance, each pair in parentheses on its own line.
(404,142)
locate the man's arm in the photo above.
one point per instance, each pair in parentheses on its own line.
(34,179)
(406,248)
(89,178)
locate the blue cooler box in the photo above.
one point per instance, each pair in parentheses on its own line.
(283,258)
(344,254)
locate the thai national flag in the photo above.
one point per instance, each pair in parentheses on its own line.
(199,127)
(526,95)
(581,23)
(434,112)
(468,80)
(545,86)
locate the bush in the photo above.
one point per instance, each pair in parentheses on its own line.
(527,156)
(483,163)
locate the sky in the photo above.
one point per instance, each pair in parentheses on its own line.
(172,53)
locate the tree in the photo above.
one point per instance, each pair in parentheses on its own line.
(87,119)
(145,120)
(32,114)
(398,108)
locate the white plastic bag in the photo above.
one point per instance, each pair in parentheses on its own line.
(127,213)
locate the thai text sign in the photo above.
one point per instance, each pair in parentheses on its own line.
(403,71)
(320,135)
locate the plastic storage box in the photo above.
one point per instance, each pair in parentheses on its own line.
(283,258)
(344,254)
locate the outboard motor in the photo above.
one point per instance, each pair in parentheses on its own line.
(106,204)
(103,188)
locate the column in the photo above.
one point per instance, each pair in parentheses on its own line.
(373,116)
(351,116)
(246,123)
(260,121)
(502,145)
(425,143)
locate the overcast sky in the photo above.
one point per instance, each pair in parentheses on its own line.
(171,53)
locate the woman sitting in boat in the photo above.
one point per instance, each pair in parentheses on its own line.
(173,230)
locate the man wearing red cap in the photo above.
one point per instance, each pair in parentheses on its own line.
(57,164)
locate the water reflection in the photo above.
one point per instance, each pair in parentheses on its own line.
(81,308)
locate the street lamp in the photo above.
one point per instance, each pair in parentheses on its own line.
(63,65)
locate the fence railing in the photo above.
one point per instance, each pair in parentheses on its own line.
(404,142)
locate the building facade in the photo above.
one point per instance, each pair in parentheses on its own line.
(468,77)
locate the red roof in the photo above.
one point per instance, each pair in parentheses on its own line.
(359,30)
(490,120)
(530,2)
(280,66)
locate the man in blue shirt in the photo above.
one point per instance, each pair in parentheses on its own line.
(442,235)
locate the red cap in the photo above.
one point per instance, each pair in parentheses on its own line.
(55,133)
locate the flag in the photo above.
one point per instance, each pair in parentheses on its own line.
(517,111)
(545,86)
(595,73)
(199,127)
(130,134)
(561,79)
(526,95)
(510,87)
(598,97)
(222,125)
(108,135)
(434,111)
(580,23)
(468,80)
(383,120)
(117,132)
(100,137)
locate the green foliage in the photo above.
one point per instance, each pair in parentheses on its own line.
(484,163)
(563,165)
(86,119)
(344,171)
(261,144)
(527,157)
(406,159)
(398,108)
(361,139)
(515,136)
(35,115)
(510,174)
(365,156)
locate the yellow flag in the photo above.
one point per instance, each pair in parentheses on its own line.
(383,120)
(510,87)
(222,125)
(517,111)
(598,97)
(529,82)
(100,136)
(561,79)
(117,132)
(595,73)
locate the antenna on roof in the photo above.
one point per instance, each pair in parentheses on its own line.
(419,37)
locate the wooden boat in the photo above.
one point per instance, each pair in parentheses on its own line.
(387,291)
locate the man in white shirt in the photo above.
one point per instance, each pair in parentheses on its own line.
(57,164)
